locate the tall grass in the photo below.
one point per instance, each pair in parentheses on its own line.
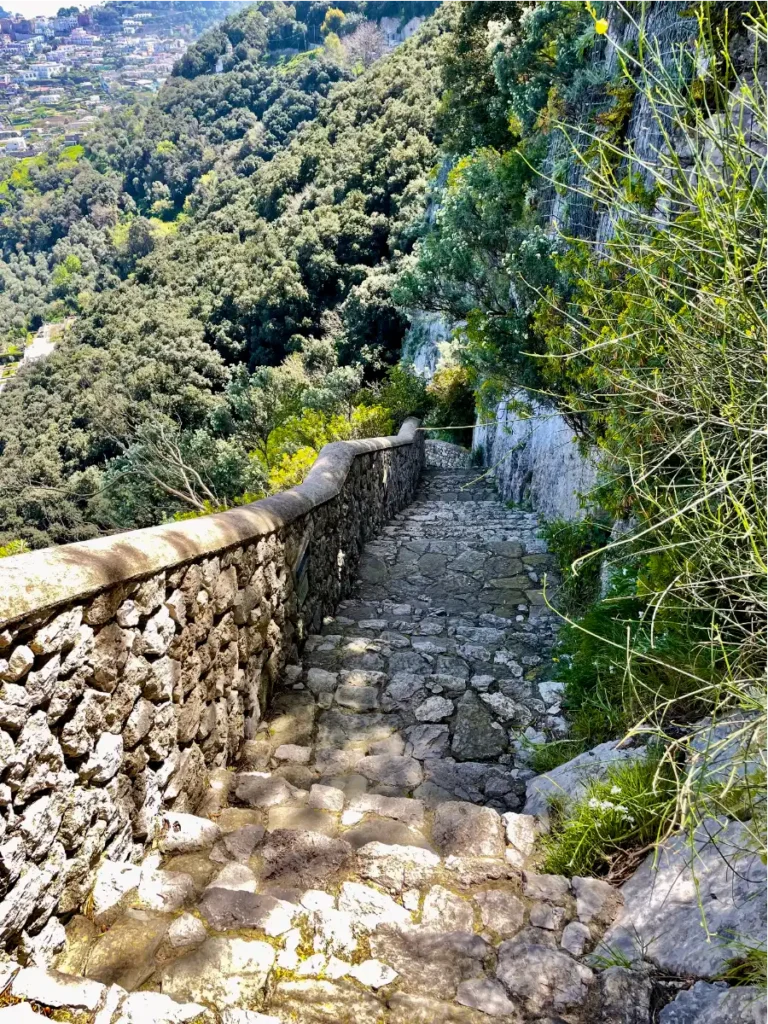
(664,346)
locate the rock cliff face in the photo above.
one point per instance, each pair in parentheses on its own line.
(537,461)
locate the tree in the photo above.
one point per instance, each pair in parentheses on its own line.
(365,45)
(332,22)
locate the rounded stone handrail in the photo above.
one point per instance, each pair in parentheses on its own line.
(39,580)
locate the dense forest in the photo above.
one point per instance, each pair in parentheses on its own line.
(257,211)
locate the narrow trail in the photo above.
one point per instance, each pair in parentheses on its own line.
(366,861)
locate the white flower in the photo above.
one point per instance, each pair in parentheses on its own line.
(615,790)
(594,803)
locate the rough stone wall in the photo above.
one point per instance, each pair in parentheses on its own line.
(114,704)
(444,455)
(536,461)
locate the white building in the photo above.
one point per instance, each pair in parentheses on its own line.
(16,144)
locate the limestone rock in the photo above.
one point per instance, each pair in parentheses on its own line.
(543,915)
(369,908)
(716,1004)
(166,891)
(501,911)
(185,833)
(662,909)
(424,741)
(357,698)
(306,860)
(164,676)
(434,709)
(624,997)
(446,911)
(396,867)
(223,972)
(113,883)
(16,667)
(155,1008)
(109,655)
(261,789)
(576,938)
(334,932)
(551,888)
(373,973)
(597,902)
(464,830)
(476,736)
(55,990)
(40,950)
(397,771)
(230,910)
(543,979)
(569,781)
(37,762)
(186,931)
(125,955)
(138,724)
(407,1008)
(60,632)
(236,877)
(521,831)
(405,809)
(488,996)
(325,1002)
(430,962)
(104,761)
(326,798)
(158,634)
(238,844)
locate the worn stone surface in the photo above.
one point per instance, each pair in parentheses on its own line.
(623,996)
(662,917)
(704,1003)
(368,859)
(465,831)
(544,980)
(140,687)
(223,972)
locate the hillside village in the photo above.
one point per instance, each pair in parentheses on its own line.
(58,74)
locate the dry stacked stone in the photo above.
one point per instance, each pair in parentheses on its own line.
(117,707)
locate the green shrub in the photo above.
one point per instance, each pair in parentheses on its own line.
(13,547)
(569,541)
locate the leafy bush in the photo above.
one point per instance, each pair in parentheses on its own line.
(13,547)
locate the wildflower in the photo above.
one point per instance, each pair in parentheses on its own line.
(594,803)
(601,25)
(615,790)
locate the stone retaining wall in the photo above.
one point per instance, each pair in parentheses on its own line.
(444,455)
(131,664)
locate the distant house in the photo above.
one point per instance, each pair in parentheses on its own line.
(396,31)
(15,146)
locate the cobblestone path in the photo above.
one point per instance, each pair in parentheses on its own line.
(367,861)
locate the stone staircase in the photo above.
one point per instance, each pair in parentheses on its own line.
(366,859)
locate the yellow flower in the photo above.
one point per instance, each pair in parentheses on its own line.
(601,26)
